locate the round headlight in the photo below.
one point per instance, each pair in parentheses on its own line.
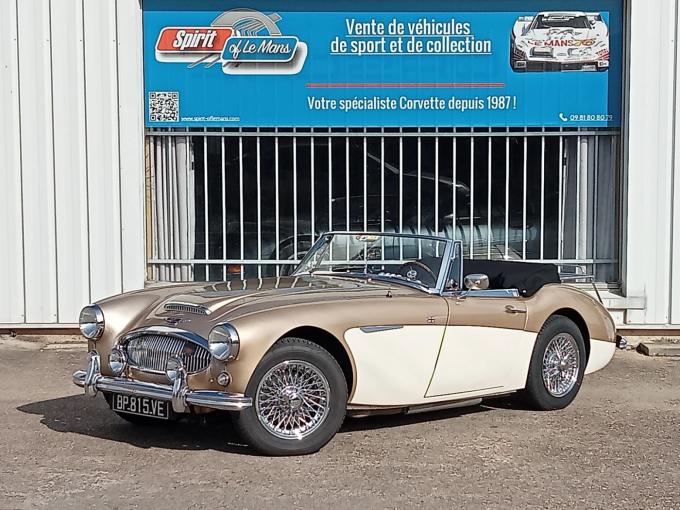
(92,322)
(117,360)
(224,342)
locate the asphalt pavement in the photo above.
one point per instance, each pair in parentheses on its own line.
(616,446)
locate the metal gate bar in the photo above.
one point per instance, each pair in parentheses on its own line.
(570,168)
(401,134)
(542,192)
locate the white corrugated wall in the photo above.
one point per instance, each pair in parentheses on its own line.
(71,156)
(72,175)
(652,225)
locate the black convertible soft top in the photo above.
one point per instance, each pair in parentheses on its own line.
(527,277)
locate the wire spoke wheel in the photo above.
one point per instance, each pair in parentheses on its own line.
(292,399)
(561,364)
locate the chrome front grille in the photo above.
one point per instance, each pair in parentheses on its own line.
(152,352)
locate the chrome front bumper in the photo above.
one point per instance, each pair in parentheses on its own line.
(179,394)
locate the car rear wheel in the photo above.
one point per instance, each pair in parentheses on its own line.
(299,397)
(557,365)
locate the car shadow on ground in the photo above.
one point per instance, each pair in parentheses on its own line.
(507,402)
(79,414)
(92,417)
(387,421)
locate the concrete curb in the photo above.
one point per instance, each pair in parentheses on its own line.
(635,340)
(44,342)
(659,349)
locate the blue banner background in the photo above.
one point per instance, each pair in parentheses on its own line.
(537,98)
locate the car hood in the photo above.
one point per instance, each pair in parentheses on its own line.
(227,300)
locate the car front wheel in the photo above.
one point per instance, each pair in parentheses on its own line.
(557,365)
(299,397)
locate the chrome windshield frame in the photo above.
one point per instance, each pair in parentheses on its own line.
(449,251)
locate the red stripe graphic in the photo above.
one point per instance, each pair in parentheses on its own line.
(405,85)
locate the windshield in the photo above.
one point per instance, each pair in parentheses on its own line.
(544,22)
(411,260)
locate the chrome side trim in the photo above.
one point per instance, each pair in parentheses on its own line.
(440,407)
(494,293)
(377,329)
(489,293)
(179,394)
(364,411)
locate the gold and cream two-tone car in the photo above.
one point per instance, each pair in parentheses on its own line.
(367,323)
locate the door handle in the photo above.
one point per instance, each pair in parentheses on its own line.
(513,309)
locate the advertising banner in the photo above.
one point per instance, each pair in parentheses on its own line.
(465,63)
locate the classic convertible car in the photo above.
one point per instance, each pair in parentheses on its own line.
(368,323)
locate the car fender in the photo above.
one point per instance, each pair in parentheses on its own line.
(555,298)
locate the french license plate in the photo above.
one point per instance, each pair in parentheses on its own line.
(142,406)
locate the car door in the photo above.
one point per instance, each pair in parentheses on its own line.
(485,349)
(395,352)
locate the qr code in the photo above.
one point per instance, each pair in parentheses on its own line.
(164,106)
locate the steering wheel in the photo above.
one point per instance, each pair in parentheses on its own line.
(415,270)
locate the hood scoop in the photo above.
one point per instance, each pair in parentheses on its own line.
(175,306)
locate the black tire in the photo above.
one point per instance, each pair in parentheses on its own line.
(248,424)
(536,394)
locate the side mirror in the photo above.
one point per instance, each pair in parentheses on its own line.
(477,282)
